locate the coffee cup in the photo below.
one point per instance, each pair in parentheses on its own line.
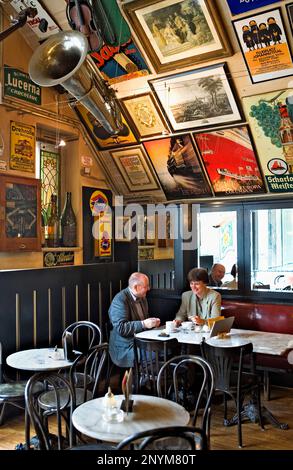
(170,327)
(187,325)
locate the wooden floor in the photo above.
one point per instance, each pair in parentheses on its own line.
(222,438)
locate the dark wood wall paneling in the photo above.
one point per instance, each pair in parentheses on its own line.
(37,304)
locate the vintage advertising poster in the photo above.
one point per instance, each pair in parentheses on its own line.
(264,45)
(100,137)
(230,161)
(103,244)
(178,167)
(120,63)
(271,121)
(22,147)
(241,6)
(18,84)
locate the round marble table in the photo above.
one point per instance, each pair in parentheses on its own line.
(37,360)
(148,413)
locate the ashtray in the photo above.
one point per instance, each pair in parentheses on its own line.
(164,334)
(113,416)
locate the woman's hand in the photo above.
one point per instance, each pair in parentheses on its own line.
(177,322)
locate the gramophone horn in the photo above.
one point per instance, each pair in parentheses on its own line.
(62,60)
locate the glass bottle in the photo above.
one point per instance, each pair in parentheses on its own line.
(68,223)
(53,224)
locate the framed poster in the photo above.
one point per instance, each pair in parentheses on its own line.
(178,33)
(197,98)
(178,167)
(270,116)
(137,174)
(118,64)
(100,137)
(20,220)
(289,7)
(230,161)
(22,147)
(144,114)
(264,45)
(240,6)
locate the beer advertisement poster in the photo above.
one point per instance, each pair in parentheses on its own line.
(264,45)
(22,147)
(120,63)
(241,6)
(230,161)
(270,116)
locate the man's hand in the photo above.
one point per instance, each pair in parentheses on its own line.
(199,321)
(177,322)
(151,323)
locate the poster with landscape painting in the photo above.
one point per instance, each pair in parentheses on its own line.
(178,167)
(270,116)
(197,98)
(230,161)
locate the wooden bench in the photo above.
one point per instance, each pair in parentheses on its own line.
(273,318)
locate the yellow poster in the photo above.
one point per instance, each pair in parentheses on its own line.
(22,147)
(103,244)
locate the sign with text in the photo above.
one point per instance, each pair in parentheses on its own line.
(18,84)
(58,258)
(22,147)
(241,6)
(42,24)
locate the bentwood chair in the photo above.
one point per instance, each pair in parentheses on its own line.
(85,335)
(169,438)
(91,367)
(11,392)
(149,356)
(55,432)
(189,380)
(234,382)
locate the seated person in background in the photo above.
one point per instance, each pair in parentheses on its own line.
(234,283)
(216,275)
(128,314)
(200,303)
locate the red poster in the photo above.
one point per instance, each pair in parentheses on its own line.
(230,161)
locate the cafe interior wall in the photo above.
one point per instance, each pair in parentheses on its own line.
(100,175)
(16,53)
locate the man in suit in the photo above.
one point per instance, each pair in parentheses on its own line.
(129,315)
(216,275)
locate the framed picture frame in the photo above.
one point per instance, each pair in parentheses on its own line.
(20,220)
(269,116)
(178,33)
(239,6)
(264,45)
(144,114)
(198,98)
(178,167)
(99,136)
(289,8)
(133,166)
(231,161)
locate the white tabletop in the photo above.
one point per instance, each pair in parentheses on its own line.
(263,342)
(37,360)
(148,413)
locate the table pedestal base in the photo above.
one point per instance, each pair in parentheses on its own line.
(250,411)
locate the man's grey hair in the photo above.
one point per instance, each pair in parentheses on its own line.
(136,279)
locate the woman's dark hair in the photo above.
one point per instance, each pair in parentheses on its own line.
(198,274)
(234,270)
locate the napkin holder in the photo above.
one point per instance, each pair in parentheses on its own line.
(127,406)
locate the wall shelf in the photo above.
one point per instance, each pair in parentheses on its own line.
(62,248)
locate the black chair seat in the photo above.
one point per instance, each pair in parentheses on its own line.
(12,390)
(47,400)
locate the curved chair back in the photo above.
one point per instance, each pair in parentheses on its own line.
(58,384)
(169,438)
(149,356)
(185,375)
(84,334)
(232,380)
